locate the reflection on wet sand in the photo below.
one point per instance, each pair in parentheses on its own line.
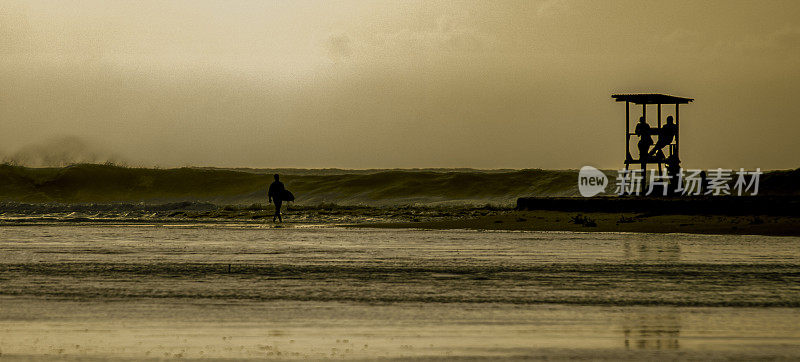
(652,251)
(155,329)
(652,330)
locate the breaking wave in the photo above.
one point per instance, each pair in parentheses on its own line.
(92,183)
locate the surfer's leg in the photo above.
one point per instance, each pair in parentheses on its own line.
(278,211)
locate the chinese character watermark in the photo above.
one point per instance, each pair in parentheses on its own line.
(684,182)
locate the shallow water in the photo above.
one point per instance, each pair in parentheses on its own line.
(243,291)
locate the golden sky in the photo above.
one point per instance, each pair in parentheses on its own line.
(371,84)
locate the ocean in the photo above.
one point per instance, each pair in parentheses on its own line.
(105,184)
(231,290)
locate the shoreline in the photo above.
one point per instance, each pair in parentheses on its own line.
(553,215)
(542,220)
(467,219)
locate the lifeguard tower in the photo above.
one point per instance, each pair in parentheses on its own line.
(672,149)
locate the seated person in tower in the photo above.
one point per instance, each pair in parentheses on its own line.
(645,141)
(665,136)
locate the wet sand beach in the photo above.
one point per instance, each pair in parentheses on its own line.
(145,329)
(246,291)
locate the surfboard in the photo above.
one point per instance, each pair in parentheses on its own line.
(286,195)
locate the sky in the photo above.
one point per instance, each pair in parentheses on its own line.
(394,84)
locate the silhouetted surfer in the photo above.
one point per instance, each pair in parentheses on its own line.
(276,190)
(665,136)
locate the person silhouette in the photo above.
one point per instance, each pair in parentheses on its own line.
(665,136)
(276,193)
(645,141)
(673,170)
(703,183)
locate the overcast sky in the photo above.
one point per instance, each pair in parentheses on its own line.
(368,84)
